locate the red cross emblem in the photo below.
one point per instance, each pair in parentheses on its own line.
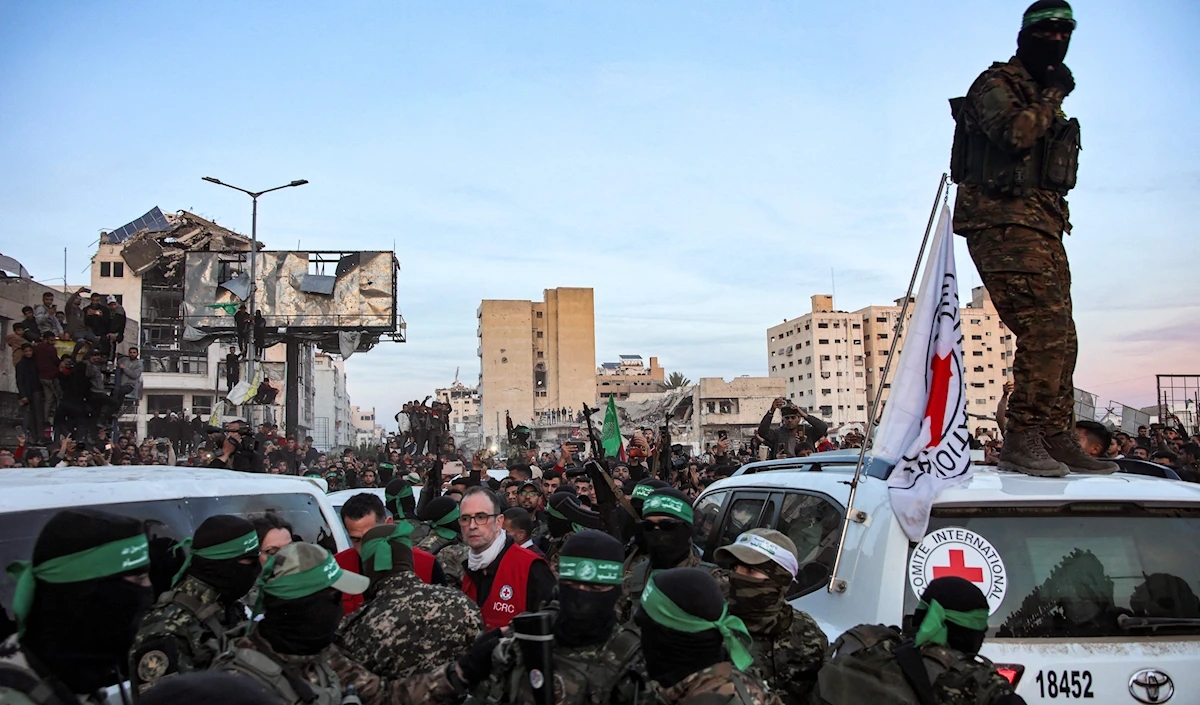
(958,568)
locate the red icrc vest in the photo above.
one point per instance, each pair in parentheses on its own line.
(509,589)
(350,560)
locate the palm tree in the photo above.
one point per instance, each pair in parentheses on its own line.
(676,380)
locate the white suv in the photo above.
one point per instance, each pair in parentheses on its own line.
(1092,580)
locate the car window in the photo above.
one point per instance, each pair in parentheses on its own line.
(1076,571)
(706,513)
(814,524)
(743,514)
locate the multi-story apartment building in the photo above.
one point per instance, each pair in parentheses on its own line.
(820,355)
(535,356)
(184,374)
(629,376)
(333,422)
(366,430)
(465,414)
(988,348)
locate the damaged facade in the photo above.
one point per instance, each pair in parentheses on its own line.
(144,265)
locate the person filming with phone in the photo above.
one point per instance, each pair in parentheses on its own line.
(785,440)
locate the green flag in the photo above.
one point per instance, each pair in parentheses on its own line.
(610,435)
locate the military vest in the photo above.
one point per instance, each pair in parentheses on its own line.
(1051,164)
(592,680)
(865,668)
(280,678)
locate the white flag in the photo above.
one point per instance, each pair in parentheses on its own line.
(924,427)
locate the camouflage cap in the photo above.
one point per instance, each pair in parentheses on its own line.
(758,546)
(298,558)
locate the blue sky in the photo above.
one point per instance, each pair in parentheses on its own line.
(703,165)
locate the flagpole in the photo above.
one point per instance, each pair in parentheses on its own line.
(836,584)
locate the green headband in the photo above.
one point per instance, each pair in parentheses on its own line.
(666,504)
(642,491)
(235,548)
(393,501)
(294,586)
(439,525)
(1050,13)
(380,547)
(99,562)
(559,515)
(590,570)
(933,627)
(661,609)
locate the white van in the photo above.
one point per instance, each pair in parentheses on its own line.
(1092,580)
(172,501)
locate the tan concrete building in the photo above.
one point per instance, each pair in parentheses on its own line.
(988,348)
(535,356)
(465,416)
(820,357)
(629,376)
(736,407)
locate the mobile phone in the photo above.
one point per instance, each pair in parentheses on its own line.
(108,446)
(722,435)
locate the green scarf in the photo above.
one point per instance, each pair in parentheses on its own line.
(235,548)
(933,627)
(380,547)
(99,562)
(393,500)
(439,525)
(661,609)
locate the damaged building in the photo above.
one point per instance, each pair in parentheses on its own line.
(144,265)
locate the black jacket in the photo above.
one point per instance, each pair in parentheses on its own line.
(778,438)
(28,381)
(539,590)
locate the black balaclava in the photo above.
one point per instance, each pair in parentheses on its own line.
(438,508)
(206,687)
(954,593)
(762,603)
(304,626)
(1036,53)
(668,548)
(230,578)
(82,631)
(563,495)
(672,655)
(407,506)
(587,617)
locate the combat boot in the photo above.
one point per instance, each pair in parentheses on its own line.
(1025,452)
(1064,448)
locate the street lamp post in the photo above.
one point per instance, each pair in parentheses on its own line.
(253,241)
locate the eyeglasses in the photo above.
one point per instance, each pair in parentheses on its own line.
(476,519)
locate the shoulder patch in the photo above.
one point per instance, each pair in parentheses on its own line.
(152,665)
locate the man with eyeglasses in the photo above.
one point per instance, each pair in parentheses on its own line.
(665,534)
(503,578)
(360,514)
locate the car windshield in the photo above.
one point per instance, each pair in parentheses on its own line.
(1075,571)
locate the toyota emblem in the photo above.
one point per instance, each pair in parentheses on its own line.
(1151,686)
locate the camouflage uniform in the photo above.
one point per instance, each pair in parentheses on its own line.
(718,683)
(579,674)
(409,627)
(1016,244)
(788,658)
(16,667)
(451,553)
(638,573)
(184,631)
(957,679)
(328,674)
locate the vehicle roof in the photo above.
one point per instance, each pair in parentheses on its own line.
(23,489)
(989,485)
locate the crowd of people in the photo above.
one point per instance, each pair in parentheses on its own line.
(577,582)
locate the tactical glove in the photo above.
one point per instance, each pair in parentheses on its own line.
(1059,76)
(476,664)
